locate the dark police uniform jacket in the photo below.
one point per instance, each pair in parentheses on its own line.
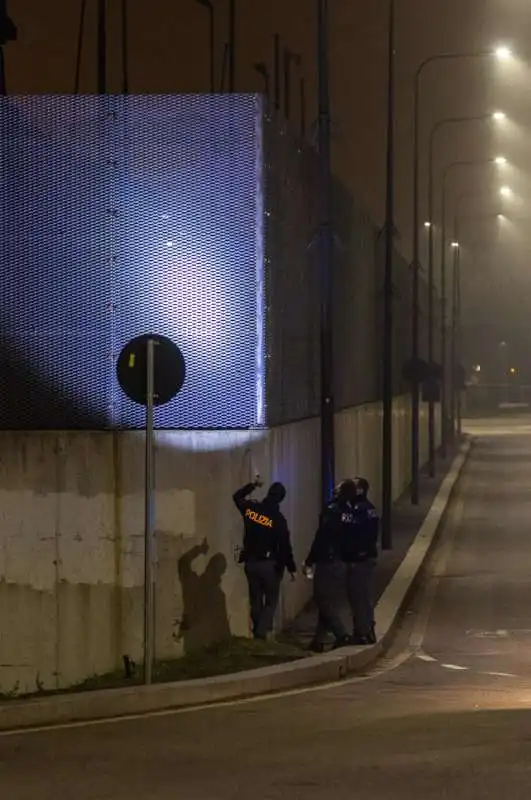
(266,536)
(361,544)
(347,532)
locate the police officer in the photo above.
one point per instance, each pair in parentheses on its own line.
(326,560)
(266,552)
(359,552)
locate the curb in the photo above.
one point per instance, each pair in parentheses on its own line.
(112,703)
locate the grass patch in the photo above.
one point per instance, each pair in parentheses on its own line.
(235,655)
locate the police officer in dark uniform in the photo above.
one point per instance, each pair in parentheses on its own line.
(266,552)
(326,560)
(359,552)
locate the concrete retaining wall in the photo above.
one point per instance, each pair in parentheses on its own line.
(71,536)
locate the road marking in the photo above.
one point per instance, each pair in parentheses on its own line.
(385,666)
(425,657)
(499,674)
(455,667)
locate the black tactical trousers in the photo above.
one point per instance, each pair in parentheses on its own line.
(360,578)
(264,579)
(329,596)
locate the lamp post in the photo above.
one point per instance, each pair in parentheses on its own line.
(125,48)
(449,167)
(276,62)
(387,383)
(455,355)
(209,6)
(431,288)
(502,53)
(79,52)
(326,253)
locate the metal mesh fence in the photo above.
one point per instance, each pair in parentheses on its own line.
(186,216)
(293,292)
(124,216)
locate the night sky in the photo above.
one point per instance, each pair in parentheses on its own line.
(168,53)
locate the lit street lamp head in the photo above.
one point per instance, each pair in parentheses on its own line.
(500,160)
(427,224)
(498,115)
(503,53)
(455,244)
(505,191)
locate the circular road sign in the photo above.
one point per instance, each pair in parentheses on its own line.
(169,369)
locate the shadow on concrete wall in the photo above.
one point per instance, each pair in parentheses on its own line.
(204,619)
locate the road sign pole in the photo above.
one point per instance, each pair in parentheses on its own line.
(149,517)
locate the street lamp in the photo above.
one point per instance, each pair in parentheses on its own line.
(387,355)
(501,53)
(455,325)
(431,289)
(506,191)
(448,169)
(326,255)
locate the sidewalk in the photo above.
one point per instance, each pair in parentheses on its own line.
(396,576)
(406,523)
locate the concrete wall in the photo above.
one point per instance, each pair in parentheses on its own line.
(71,537)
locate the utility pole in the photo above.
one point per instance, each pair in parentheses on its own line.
(8,33)
(326,254)
(387,422)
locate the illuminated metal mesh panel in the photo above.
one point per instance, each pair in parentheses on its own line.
(188,241)
(55,332)
(124,216)
(291,280)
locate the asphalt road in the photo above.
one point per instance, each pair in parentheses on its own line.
(446,714)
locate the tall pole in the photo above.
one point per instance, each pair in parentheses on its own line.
(232,45)
(431,298)
(277,71)
(8,33)
(443,316)
(326,257)
(453,356)
(79,51)
(459,341)
(415,400)
(102,47)
(125,48)
(387,422)
(149,518)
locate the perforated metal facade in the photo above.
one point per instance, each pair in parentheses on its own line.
(123,216)
(189,216)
